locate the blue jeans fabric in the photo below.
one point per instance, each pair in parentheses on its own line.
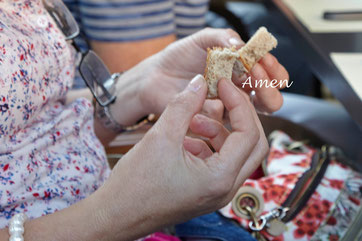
(213,226)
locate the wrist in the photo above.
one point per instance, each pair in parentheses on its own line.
(77,222)
(123,207)
(128,108)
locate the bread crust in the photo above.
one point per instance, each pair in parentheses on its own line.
(246,66)
(220,62)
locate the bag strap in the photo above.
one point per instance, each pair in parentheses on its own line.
(315,176)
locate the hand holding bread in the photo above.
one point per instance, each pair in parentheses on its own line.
(168,72)
(221,62)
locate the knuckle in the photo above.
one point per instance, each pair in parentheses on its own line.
(216,110)
(207,29)
(204,32)
(179,102)
(230,32)
(273,62)
(219,107)
(254,135)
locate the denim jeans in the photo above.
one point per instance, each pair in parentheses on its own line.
(213,226)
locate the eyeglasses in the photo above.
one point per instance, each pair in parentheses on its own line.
(92,69)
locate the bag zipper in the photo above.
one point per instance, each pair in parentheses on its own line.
(301,193)
(308,182)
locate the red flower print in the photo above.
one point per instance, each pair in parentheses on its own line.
(337,184)
(354,200)
(317,210)
(308,215)
(47,195)
(299,233)
(249,184)
(265,183)
(303,163)
(279,238)
(304,228)
(291,178)
(319,216)
(310,232)
(274,193)
(332,221)
(333,237)
(326,205)
(6,167)
(275,154)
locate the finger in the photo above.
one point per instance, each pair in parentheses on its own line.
(275,70)
(197,147)
(211,37)
(240,143)
(239,78)
(213,109)
(257,155)
(175,120)
(209,128)
(267,98)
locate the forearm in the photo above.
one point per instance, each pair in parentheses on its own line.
(78,222)
(117,211)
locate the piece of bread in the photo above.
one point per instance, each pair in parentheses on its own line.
(221,62)
(257,47)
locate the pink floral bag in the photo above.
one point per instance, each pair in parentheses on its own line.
(306,194)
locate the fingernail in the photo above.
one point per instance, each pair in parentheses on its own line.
(196,83)
(235,41)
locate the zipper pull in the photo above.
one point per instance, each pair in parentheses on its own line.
(262,221)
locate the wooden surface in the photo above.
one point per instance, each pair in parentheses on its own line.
(316,48)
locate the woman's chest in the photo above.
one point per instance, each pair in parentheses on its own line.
(36,63)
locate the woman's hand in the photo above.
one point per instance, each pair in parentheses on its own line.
(182,60)
(169,177)
(149,86)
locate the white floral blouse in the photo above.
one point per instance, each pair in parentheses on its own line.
(50,157)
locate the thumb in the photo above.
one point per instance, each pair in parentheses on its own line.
(175,120)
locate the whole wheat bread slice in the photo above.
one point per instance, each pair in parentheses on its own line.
(221,62)
(257,47)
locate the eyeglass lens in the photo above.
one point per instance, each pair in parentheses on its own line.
(63,18)
(96,75)
(94,72)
